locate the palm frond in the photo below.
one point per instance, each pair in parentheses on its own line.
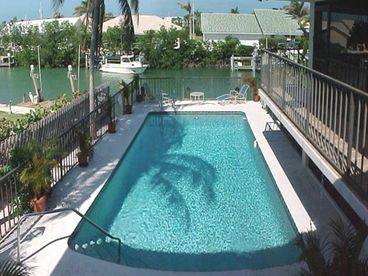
(57,4)
(126,11)
(347,246)
(187,6)
(10,268)
(313,249)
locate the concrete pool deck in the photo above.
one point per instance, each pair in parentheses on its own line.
(79,188)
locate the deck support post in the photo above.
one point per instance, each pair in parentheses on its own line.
(305,159)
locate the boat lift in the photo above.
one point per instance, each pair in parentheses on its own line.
(37,86)
(37,81)
(72,78)
(247,63)
(241,63)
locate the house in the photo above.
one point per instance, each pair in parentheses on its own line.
(217,26)
(145,23)
(248,28)
(39,23)
(277,23)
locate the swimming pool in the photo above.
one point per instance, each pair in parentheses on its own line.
(191,194)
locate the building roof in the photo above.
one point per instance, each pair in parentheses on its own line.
(229,23)
(277,22)
(39,22)
(146,23)
(263,21)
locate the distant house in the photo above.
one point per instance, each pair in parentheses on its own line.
(277,23)
(146,23)
(39,23)
(217,26)
(248,28)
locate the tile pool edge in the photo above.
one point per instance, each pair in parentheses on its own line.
(300,216)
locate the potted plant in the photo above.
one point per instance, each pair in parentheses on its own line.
(127,97)
(85,147)
(111,127)
(252,82)
(36,174)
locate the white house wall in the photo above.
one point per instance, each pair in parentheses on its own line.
(245,39)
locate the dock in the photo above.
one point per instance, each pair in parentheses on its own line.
(17,109)
(241,63)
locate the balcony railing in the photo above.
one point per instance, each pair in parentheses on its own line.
(331,114)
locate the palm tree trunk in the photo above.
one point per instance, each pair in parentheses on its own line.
(190,25)
(93,50)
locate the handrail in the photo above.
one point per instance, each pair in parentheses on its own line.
(5,176)
(329,78)
(60,211)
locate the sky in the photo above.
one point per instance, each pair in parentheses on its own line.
(30,9)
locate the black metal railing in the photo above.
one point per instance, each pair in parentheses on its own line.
(9,213)
(330,113)
(68,146)
(83,217)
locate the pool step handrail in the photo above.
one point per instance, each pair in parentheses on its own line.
(61,210)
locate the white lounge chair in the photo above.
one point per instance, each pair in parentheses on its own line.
(243,93)
(166,99)
(234,95)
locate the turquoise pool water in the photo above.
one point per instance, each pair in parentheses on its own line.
(191,194)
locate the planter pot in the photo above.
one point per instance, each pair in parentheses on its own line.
(139,98)
(39,205)
(127,109)
(82,159)
(111,127)
(256,98)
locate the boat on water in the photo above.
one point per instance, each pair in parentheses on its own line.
(125,64)
(7,61)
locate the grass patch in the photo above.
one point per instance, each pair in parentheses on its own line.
(10,116)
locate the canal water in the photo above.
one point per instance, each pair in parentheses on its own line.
(15,83)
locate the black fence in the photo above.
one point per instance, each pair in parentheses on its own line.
(63,127)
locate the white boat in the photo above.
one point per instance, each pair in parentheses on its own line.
(123,65)
(7,61)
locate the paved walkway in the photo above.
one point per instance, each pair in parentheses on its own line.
(80,187)
(15,109)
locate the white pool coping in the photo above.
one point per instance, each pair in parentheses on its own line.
(83,185)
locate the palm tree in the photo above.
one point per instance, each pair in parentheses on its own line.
(10,268)
(197,22)
(98,13)
(83,8)
(57,14)
(337,255)
(235,11)
(299,12)
(188,7)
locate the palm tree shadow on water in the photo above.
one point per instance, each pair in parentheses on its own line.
(157,144)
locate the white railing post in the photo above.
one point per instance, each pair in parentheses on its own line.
(350,132)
